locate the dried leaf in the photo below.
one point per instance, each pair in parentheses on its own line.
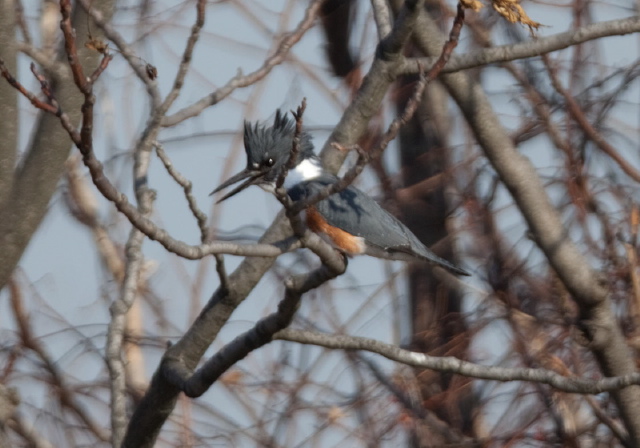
(514,13)
(474,5)
(97,45)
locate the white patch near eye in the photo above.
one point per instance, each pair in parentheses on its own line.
(255,166)
(306,170)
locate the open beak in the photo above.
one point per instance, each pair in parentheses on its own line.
(253,177)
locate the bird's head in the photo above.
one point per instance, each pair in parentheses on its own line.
(268,152)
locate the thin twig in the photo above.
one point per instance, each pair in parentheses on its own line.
(382,17)
(187,187)
(33,343)
(50,108)
(20,88)
(135,62)
(591,132)
(71,47)
(239,81)
(186,56)
(107,57)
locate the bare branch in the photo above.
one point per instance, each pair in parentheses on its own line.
(260,335)
(71,49)
(222,272)
(187,186)
(239,80)
(30,96)
(579,116)
(31,342)
(391,46)
(454,365)
(383,72)
(533,48)
(115,336)
(186,56)
(28,432)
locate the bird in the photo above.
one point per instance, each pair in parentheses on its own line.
(350,220)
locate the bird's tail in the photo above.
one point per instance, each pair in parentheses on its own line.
(432,258)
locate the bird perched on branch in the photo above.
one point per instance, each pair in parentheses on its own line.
(350,220)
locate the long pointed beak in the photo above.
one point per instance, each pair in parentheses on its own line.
(252,178)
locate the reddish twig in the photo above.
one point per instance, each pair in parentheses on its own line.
(592,133)
(146,72)
(102,67)
(20,88)
(71,47)
(44,85)
(449,46)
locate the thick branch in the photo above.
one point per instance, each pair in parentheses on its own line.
(366,104)
(260,335)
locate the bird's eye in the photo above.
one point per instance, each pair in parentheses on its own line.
(269,162)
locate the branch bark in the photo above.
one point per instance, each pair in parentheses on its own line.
(450,364)
(531,48)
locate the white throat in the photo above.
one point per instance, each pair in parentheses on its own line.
(306,170)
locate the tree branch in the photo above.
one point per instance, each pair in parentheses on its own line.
(579,116)
(260,335)
(240,80)
(201,217)
(366,103)
(449,364)
(532,48)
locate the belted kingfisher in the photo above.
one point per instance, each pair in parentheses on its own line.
(349,220)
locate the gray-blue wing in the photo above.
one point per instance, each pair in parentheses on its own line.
(355,212)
